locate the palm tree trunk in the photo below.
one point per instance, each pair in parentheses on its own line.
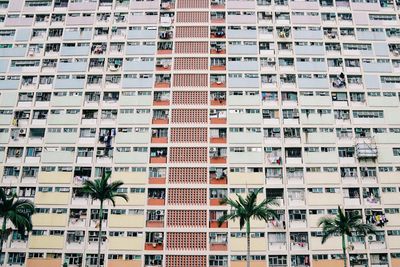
(100,233)
(248,242)
(3,234)
(344,250)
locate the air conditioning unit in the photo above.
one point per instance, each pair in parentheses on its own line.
(271,59)
(372,238)
(100,153)
(22,131)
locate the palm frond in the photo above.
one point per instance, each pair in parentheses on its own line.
(101,189)
(365,229)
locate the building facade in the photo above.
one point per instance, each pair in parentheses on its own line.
(190,101)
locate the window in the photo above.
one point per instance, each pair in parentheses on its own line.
(396,152)
(368,114)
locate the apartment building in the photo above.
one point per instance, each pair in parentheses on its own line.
(190,101)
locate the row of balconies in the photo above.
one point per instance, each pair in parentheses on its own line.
(154,241)
(290,117)
(217,64)
(272,99)
(271,156)
(217,175)
(250,17)
(268,136)
(214,4)
(104,5)
(286,81)
(149,48)
(296,197)
(281,34)
(79,6)
(76,260)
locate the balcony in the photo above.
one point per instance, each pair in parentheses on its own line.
(246,157)
(388,177)
(240,4)
(154,241)
(328,199)
(156,197)
(78,217)
(144,5)
(124,243)
(218,155)
(320,157)
(52,198)
(307,34)
(131,157)
(155,218)
(277,246)
(248,178)
(49,220)
(129,137)
(245,138)
(142,19)
(317,118)
(137,178)
(46,242)
(239,243)
(144,82)
(332,244)
(79,20)
(241,18)
(218,176)
(124,263)
(54,177)
(243,82)
(57,156)
(216,196)
(135,199)
(13,52)
(82,6)
(141,50)
(19,21)
(70,83)
(242,49)
(77,35)
(142,34)
(243,65)
(138,66)
(299,245)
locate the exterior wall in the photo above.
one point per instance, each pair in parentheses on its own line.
(185,108)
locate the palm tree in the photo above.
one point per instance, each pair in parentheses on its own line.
(17,211)
(344,225)
(246,209)
(102,190)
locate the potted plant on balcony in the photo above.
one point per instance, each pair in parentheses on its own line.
(102,190)
(344,225)
(245,209)
(17,211)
